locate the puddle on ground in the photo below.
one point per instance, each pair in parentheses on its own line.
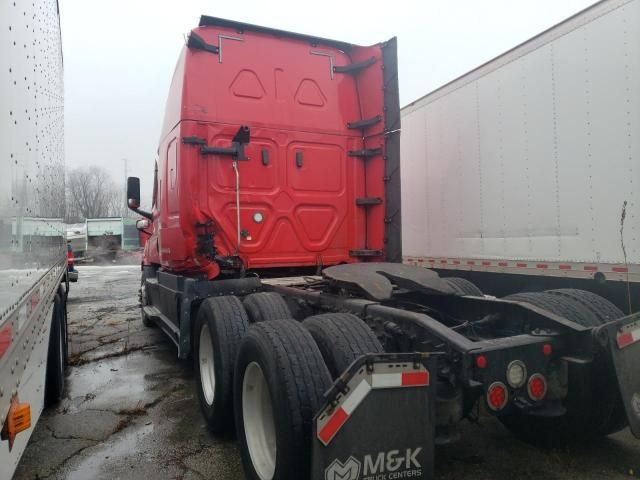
(111,452)
(120,383)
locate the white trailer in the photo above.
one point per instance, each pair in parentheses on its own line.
(33,262)
(530,163)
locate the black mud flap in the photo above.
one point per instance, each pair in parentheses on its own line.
(622,338)
(378,422)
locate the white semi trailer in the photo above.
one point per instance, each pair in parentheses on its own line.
(524,174)
(33,253)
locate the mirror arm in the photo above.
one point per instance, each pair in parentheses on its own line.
(143,213)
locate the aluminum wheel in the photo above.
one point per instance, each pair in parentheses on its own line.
(257,415)
(207,367)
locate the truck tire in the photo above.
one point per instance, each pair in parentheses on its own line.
(54,376)
(604,311)
(593,397)
(342,338)
(220,325)
(146,321)
(265,306)
(462,286)
(279,384)
(562,306)
(65,322)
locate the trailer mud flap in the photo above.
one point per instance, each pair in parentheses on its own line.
(622,338)
(378,422)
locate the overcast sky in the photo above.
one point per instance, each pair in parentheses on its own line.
(119,55)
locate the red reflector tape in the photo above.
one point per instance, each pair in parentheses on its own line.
(355,397)
(5,339)
(627,338)
(333,425)
(415,379)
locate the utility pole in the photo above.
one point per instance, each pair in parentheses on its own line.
(125,209)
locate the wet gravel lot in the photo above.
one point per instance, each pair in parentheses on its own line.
(130,411)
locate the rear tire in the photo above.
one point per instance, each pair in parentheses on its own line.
(342,338)
(266,306)
(220,325)
(279,385)
(146,321)
(604,311)
(54,376)
(65,322)
(594,407)
(462,286)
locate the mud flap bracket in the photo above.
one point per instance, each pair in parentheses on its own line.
(378,421)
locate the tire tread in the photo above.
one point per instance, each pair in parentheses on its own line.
(342,338)
(266,306)
(462,286)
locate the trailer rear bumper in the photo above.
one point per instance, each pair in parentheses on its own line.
(622,339)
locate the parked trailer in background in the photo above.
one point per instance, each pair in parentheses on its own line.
(108,237)
(33,250)
(274,261)
(524,173)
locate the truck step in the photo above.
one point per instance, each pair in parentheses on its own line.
(365,153)
(365,253)
(167,326)
(368,201)
(354,68)
(367,122)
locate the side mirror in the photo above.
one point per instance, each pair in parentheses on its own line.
(133,192)
(143,224)
(133,197)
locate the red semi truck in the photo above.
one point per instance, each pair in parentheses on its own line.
(274,262)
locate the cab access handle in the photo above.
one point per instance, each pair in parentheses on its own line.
(236,150)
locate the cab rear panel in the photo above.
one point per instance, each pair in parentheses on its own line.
(321,155)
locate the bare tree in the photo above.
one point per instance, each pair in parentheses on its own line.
(91,193)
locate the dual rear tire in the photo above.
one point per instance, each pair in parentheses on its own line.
(56,353)
(593,404)
(270,377)
(280,380)
(221,324)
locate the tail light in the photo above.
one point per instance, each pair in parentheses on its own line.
(70,258)
(481,361)
(497,396)
(537,387)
